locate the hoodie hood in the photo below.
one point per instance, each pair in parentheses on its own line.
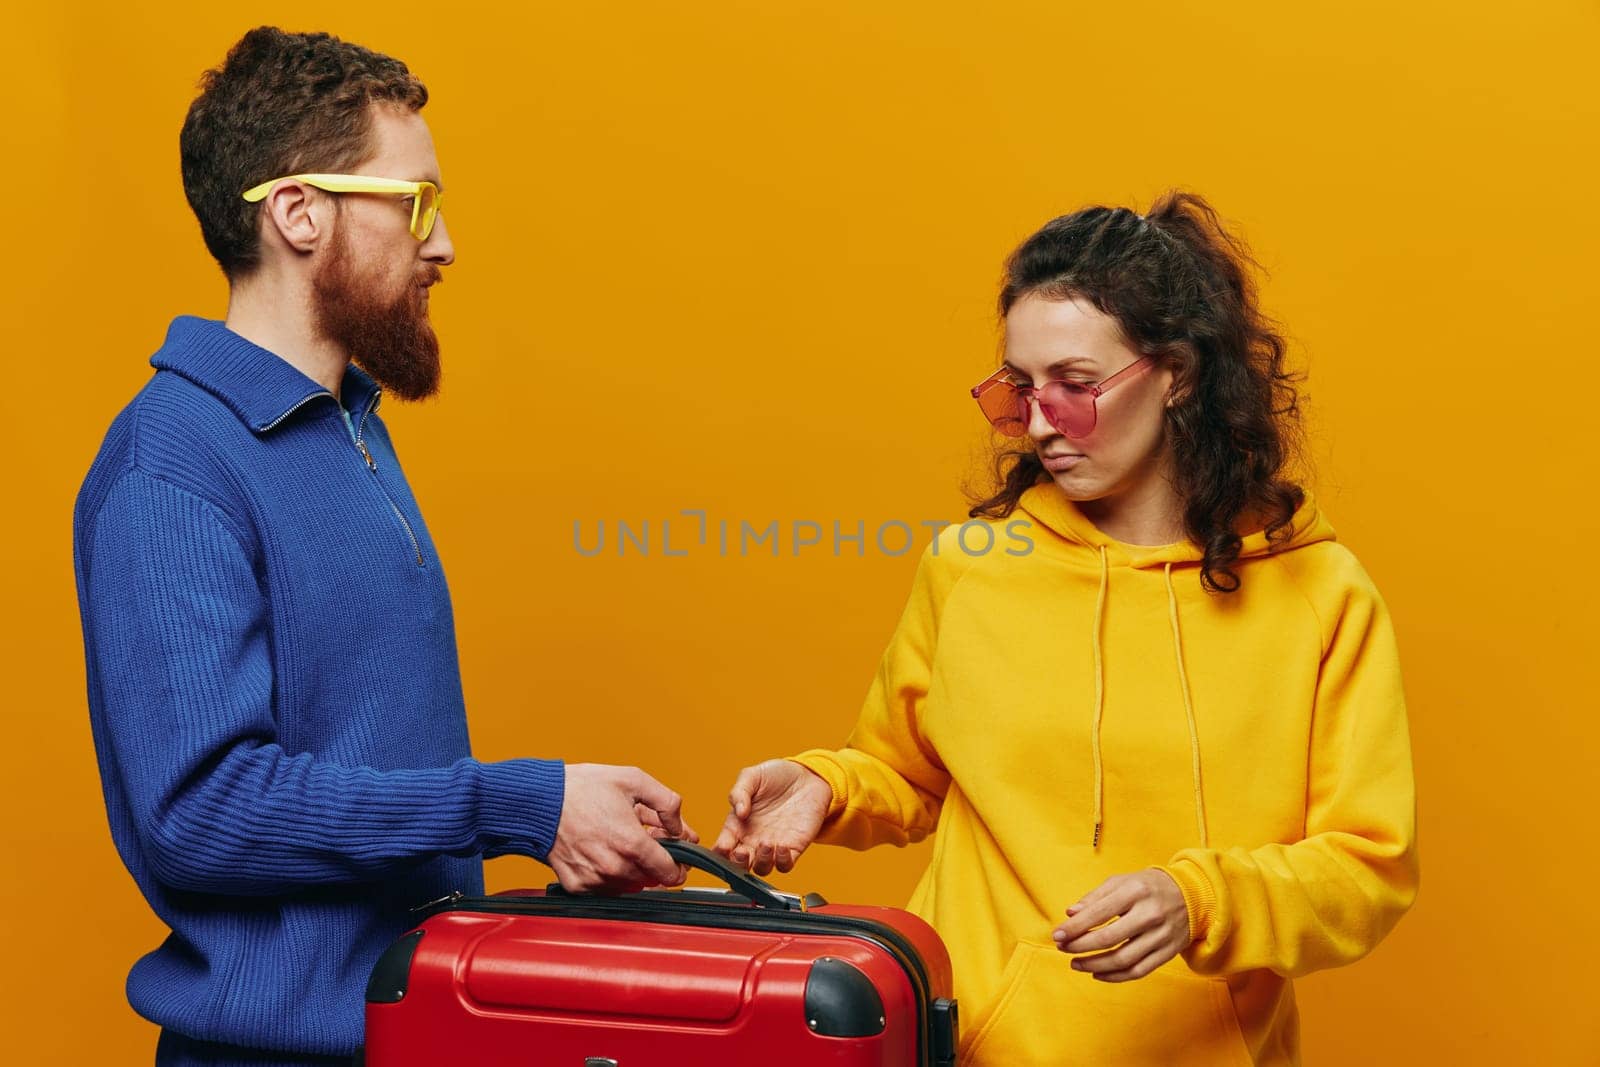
(1045,502)
(1048,505)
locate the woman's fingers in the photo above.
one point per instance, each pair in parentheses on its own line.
(1112,933)
(1094,912)
(749,787)
(760,856)
(1147,953)
(1122,928)
(728,837)
(756,834)
(1096,894)
(1123,957)
(1133,923)
(742,795)
(735,827)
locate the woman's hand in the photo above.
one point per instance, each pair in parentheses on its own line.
(1143,912)
(777,808)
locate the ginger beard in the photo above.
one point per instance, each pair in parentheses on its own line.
(388,336)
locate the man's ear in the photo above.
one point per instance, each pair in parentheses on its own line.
(297,215)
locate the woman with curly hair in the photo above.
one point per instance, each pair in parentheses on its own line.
(1164,742)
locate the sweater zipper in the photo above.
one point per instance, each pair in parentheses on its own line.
(361,445)
(297,407)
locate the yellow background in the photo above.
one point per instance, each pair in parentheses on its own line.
(742,257)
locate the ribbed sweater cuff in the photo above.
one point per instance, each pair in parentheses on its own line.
(1198,896)
(519,805)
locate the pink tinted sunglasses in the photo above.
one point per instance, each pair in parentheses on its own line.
(1068,406)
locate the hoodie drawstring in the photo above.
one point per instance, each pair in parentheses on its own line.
(1099,698)
(1188,710)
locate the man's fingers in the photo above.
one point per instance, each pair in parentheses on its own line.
(594,869)
(650,819)
(663,801)
(655,864)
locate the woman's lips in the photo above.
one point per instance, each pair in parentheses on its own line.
(1063,462)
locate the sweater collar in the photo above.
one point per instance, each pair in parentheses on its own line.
(257,385)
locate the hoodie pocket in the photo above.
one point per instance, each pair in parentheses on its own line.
(1047,1013)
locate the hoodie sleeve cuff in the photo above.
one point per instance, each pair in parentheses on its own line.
(820,762)
(1199,898)
(519,805)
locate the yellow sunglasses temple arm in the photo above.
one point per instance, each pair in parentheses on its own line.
(339,183)
(260,192)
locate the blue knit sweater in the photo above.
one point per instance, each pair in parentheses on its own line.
(275,696)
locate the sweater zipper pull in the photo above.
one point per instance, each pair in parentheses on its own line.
(366,455)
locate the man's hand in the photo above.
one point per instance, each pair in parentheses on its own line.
(1144,913)
(777,807)
(610,820)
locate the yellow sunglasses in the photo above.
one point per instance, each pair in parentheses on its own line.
(424,204)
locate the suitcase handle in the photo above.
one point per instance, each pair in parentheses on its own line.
(760,893)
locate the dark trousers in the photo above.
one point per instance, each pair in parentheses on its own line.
(175,1050)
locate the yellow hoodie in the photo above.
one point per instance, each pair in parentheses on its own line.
(1252,745)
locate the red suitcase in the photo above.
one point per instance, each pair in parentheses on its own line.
(698,977)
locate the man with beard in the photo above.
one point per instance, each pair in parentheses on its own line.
(273,685)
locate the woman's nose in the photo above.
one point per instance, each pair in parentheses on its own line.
(1039,427)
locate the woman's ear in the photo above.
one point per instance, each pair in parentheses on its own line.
(1180,361)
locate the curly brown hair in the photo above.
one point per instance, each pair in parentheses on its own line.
(1180,286)
(281,103)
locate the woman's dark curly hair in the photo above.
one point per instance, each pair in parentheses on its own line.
(1181,288)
